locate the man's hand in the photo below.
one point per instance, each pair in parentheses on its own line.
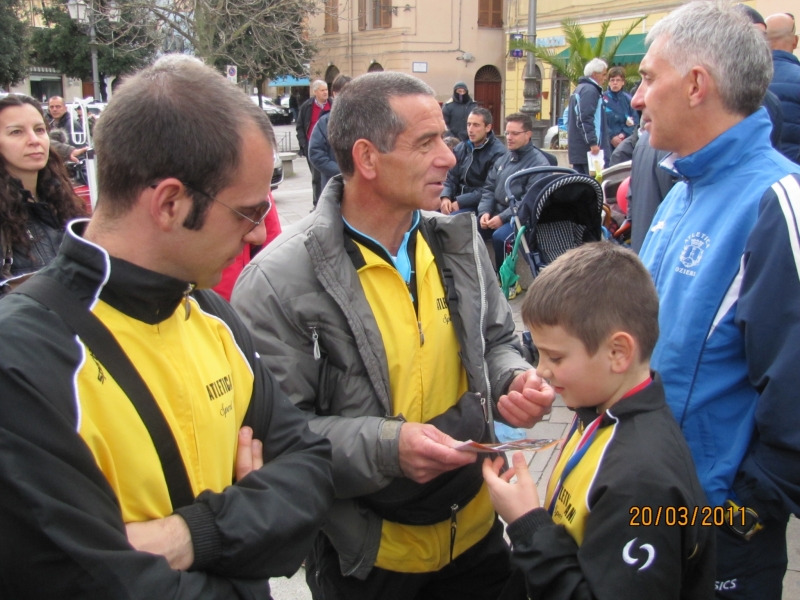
(484,220)
(511,500)
(527,401)
(249,455)
(168,537)
(494,223)
(426,452)
(595,149)
(617,140)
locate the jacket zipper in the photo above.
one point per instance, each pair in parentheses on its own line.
(315,339)
(453,528)
(484,399)
(187,303)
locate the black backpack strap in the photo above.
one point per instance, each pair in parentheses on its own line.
(446,275)
(104,346)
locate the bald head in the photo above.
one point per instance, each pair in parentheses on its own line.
(781,32)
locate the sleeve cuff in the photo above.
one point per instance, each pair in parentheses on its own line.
(389,448)
(523,529)
(206,539)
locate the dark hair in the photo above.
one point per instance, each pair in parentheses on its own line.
(487,116)
(580,292)
(362,111)
(52,186)
(524,120)
(177,118)
(339,83)
(616,72)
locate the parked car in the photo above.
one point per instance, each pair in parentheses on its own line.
(551,138)
(277,171)
(277,114)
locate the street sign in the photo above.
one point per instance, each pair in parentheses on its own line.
(516,52)
(231,71)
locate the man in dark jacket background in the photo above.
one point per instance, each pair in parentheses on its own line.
(475,158)
(456,111)
(308,116)
(494,210)
(782,39)
(587,130)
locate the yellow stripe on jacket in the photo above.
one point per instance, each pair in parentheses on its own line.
(202,384)
(425,380)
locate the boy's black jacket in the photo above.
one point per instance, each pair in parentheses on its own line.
(646,463)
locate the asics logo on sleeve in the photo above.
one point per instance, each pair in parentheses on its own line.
(626,554)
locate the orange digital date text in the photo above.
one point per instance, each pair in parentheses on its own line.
(705,516)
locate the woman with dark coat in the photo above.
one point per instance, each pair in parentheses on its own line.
(36,198)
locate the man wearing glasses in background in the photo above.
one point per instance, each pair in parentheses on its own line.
(494,212)
(782,39)
(90,505)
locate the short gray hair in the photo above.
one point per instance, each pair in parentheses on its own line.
(717,36)
(596,65)
(363,111)
(318,84)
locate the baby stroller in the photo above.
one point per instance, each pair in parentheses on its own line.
(562,210)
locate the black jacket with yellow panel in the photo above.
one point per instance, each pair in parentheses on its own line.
(77,463)
(624,523)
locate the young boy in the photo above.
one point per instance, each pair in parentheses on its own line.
(624,516)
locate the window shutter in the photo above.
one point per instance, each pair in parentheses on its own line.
(362,15)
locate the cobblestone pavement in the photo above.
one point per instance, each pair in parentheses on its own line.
(294,201)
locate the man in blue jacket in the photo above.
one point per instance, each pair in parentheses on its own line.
(474,159)
(724,253)
(782,39)
(320,153)
(588,130)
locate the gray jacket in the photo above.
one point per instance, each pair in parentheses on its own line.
(303,301)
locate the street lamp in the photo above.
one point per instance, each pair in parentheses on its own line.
(531,93)
(79,11)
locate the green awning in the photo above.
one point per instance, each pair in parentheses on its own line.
(631,50)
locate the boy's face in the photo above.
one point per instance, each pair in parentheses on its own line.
(581,379)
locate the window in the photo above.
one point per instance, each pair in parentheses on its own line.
(331,16)
(362,15)
(381,14)
(490,13)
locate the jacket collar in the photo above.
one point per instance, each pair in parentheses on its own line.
(649,399)
(787,56)
(522,152)
(586,79)
(745,140)
(137,292)
(487,142)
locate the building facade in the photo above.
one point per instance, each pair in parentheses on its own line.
(440,42)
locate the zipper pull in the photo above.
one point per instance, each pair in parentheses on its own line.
(187,303)
(421,335)
(315,339)
(485,406)
(453,528)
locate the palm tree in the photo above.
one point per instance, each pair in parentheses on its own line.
(581,50)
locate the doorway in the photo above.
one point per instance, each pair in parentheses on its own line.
(488,93)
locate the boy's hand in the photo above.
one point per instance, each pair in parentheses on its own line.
(511,501)
(528,399)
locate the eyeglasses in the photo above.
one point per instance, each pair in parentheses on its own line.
(514,133)
(259,212)
(794,23)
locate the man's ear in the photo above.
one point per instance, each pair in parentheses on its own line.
(169,204)
(622,350)
(365,158)
(700,84)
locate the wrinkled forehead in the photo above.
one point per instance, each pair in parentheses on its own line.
(56,103)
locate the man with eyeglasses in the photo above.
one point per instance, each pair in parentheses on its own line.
(494,212)
(213,483)
(782,39)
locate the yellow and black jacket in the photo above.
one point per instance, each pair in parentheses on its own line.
(603,540)
(77,463)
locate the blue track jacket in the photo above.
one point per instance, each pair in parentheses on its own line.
(724,252)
